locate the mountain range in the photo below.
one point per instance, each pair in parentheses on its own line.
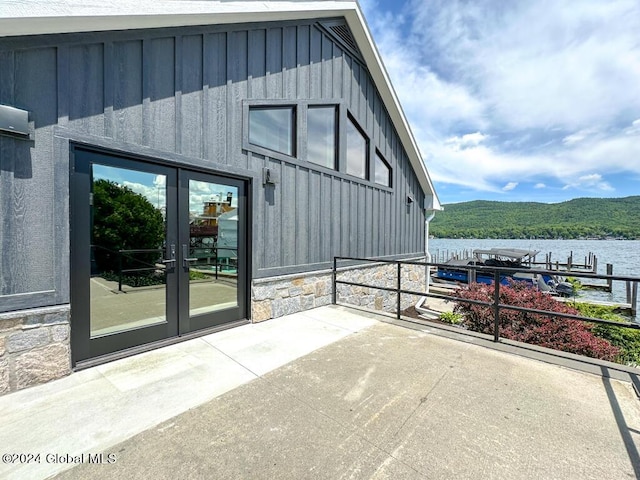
(578,218)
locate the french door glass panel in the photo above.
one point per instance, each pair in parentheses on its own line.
(128,237)
(213,247)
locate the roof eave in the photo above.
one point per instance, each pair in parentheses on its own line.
(360,31)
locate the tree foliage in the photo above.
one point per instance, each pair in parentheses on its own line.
(573,336)
(578,218)
(123,219)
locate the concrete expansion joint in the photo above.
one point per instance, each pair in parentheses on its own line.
(421,402)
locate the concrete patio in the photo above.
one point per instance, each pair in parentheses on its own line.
(328,393)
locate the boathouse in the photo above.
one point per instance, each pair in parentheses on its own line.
(169,167)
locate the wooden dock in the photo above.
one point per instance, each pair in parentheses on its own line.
(565,268)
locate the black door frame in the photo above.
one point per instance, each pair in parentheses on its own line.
(188,323)
(84,350)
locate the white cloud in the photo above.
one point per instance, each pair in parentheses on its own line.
(590,179)
(539,185)
(526,90)
(591,182)
(466,141)
(579,136)
(509,186)
(537,63)
(634,129)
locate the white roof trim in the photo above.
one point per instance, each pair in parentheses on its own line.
(36,17)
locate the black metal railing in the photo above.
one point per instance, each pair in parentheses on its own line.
(498,273)
(128,254)
(128,260)
(209,253)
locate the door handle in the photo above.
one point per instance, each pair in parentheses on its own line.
(185,256)
(171,261)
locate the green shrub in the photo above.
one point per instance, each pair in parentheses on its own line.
(626,339)
(145,280)
(451,317)
(575,283)
(194,275)
(548,331)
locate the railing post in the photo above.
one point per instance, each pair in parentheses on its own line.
(634,299)
(628,291)
(119,270)
(215,249)
(399,287)
(496,306)
(333,293)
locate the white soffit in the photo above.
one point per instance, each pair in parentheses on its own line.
(37,17)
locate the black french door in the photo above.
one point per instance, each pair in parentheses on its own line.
(157,252)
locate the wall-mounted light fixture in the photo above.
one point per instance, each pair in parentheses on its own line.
(410,200)
(14,121)
(268,176)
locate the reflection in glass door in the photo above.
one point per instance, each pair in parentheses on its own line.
(211,249)
(156,252)
(124,286)
(128,269)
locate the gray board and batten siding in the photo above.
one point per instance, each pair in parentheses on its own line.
(180,95)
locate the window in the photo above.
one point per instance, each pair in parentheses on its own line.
(357,151)
(273,128)
(382,171)
(321,135)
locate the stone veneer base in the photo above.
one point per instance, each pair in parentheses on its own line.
(283,295)
(34,347)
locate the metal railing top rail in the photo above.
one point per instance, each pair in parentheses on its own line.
(140,250)
(495,304)
(488,268)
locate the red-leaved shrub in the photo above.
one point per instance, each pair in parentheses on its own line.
(573,336)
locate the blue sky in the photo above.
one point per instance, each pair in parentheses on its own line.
(528,100)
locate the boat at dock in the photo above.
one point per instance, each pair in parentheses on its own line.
(455,270)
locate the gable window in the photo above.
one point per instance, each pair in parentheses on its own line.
(321,135)
(273,128)
(357,151)
(382,171)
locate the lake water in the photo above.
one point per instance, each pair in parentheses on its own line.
(624,255)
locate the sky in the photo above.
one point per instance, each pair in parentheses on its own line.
(153,187)
(518,100)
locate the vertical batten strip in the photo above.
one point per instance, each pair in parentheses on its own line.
(107,72)
(177,88)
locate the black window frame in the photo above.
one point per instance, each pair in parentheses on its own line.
(367,160)
(300,159)
(378,155)
(294,127)
(336,133)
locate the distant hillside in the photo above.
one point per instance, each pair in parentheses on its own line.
(578,218)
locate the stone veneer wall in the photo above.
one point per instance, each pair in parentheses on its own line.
(278,296)
(380,275)
(34,347)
